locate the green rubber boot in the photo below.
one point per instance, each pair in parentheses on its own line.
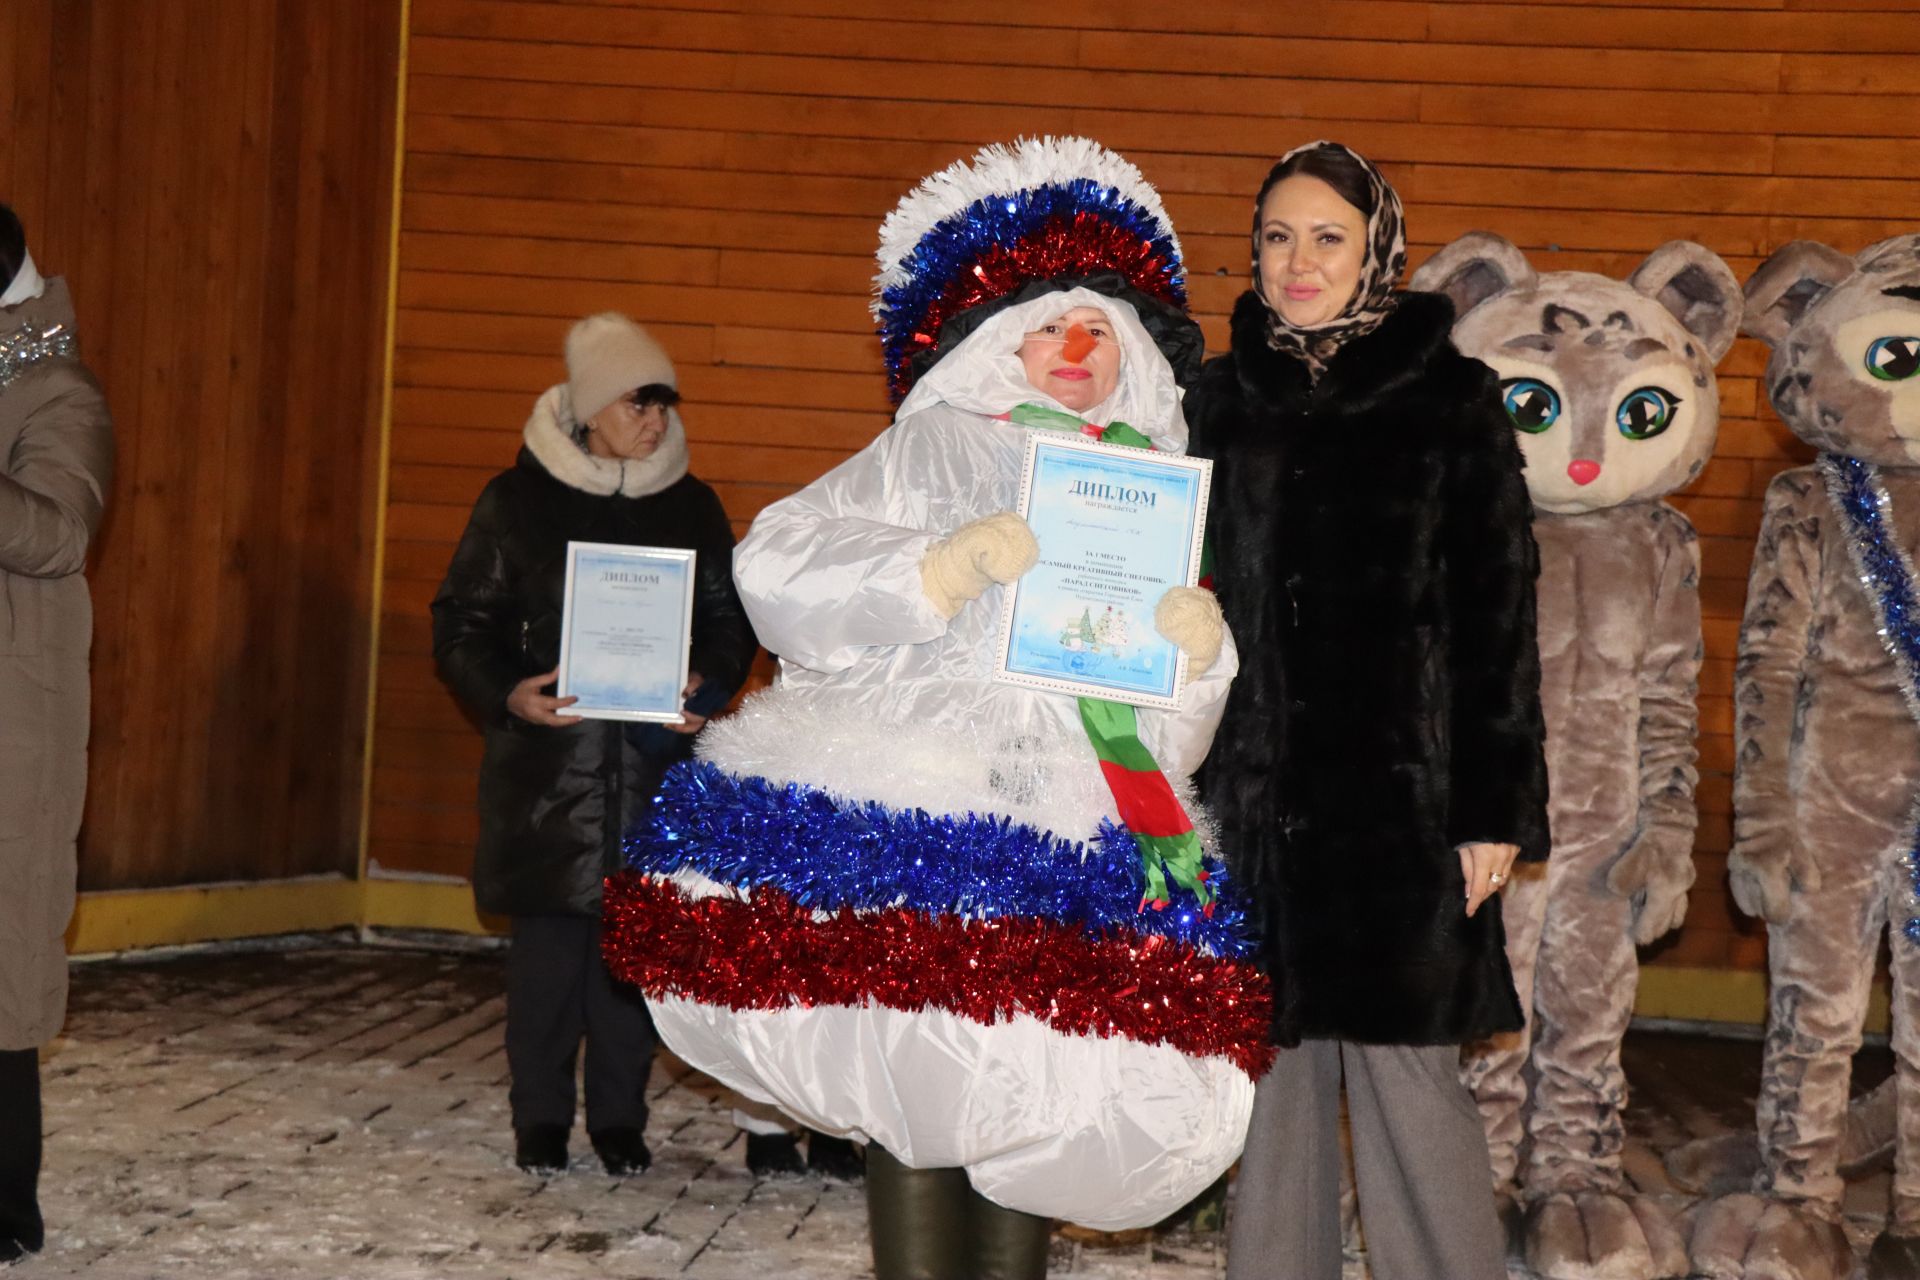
(918,1220)
(1005,1243)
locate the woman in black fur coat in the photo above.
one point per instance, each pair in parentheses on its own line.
(1379,767)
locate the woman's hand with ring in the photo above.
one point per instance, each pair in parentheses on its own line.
(1485,867)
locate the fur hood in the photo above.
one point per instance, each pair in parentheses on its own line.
(549,437)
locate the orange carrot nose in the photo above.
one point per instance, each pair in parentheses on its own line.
(1080,343)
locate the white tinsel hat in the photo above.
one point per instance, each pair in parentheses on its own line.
(1045,212)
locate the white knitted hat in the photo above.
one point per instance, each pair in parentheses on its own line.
(609,356)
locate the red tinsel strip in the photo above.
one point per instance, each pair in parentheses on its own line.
(1083,245)
(770,954)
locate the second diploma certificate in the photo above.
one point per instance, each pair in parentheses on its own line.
(626,629)
(1116,528)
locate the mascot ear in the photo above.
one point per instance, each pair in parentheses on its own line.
(1692,282)
(1474,268)
(1895,253)
(1794,278)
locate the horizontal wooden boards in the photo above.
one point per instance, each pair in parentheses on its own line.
(717,169)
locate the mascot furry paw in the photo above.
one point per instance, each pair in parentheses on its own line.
(1752,1237)
(1610,386)
(1827,753)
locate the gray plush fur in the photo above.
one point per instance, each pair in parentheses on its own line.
(1827,766)
(1620,649)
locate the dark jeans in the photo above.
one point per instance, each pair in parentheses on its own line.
(559,992)
(20,1148)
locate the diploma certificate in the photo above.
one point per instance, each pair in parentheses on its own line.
(1116,526)
(626,627)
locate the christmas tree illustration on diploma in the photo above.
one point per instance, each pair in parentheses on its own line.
(1081,634)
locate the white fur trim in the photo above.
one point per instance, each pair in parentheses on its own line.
(1001,170)
(1042,772)
(26,283)
(549,436)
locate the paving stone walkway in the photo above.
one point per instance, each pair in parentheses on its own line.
(339,1111)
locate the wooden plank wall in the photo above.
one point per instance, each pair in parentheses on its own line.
(718,170)
(214,179)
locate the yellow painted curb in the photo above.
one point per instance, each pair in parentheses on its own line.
(1724,995)
(123,920)
(426,904)
(132,919)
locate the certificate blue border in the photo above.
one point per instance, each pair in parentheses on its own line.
(1143,669)
(652,695)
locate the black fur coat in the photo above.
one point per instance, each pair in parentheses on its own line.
(1374,555)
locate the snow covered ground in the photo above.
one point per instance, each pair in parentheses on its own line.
(333,1111)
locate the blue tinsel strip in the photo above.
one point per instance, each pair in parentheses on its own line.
(954,244)
(825,855)
(1889,582)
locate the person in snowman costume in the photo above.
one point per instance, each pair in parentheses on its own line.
(968,922)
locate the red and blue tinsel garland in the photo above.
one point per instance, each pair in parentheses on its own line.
(769,953)
(997,244)
(825,854)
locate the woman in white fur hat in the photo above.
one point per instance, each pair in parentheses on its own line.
(604,460)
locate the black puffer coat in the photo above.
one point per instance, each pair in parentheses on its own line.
(1374,556)
(555,802)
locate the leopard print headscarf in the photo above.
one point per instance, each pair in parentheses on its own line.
(1373,297)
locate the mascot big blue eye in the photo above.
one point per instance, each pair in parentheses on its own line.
(1645,413)
(1894,359)
(1532,405)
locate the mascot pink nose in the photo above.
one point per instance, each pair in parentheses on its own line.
(1080,343)
(1583,471)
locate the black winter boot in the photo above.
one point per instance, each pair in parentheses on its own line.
(541,1148)
(622,1152)
(774,1155)
(836,1158)
(21,1229)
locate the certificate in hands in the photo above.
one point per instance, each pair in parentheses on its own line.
(1117,527)
(626,630)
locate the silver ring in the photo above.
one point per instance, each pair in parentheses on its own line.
(1496,878)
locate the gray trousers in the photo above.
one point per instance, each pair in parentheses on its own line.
(1420,1167)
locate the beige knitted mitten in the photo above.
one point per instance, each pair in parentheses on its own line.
(995,548)
(1190,617)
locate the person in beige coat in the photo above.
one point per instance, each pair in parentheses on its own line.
(56,454)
